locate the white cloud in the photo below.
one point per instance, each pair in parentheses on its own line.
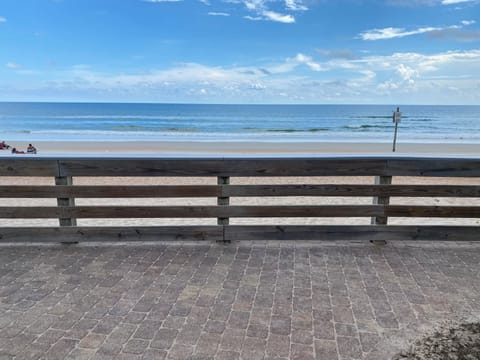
(257,86)
(13,65)
(213,13)
(2,19)
(407,73)
(295,5)
(262,12)
(410,73)
(291,64)
(307,60)
(274,16)
(387,86)
(256,5)
(369,74)
(253,18)
(450,2)
(415,3)
(259,9)
(391,33)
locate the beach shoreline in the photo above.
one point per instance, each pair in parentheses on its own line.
(247,148)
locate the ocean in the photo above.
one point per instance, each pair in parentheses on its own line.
(278,123)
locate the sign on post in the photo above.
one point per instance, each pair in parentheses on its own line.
(397,117)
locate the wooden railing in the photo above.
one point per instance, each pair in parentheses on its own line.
(65,170)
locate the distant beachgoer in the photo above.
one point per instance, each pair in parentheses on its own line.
(15,151)
(4,146)
(31,149)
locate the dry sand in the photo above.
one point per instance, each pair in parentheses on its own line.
(219,148)
(450,341)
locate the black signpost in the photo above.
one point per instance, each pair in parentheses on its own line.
(397,117)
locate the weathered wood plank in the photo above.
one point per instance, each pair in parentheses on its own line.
(433,211)
(353,190)
(190,211)
(141,167)
(77,234)
(301,166)
(223,200)
(33,212)
(314,166)
(241,232)
(324,166)
(437,167)
(381,200)
(105,191)
(24,165)
(238,211)
(174,191)
(65,201)
(354,232)
(223,167)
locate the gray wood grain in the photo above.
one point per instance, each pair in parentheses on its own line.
(353,232)
(45,212)
(179,191)
(105,233)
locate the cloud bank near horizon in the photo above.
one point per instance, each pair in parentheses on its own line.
(445,75)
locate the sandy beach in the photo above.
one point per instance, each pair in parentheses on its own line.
(225,148)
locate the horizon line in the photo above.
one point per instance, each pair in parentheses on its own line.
(226,104)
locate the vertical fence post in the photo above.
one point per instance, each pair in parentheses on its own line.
(381,200)
(65,180)
(223,200)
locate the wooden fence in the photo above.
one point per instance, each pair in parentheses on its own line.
(382,167)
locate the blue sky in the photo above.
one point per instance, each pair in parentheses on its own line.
(241,51)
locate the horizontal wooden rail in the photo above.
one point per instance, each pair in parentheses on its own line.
(432,211)
(109,233)
(352,232)
(241,167)
(239,232)
(102,191)
(353,190)
(190,211)
(384,168)
(179,191)
(254,211)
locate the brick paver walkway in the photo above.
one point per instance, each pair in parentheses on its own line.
(238,301)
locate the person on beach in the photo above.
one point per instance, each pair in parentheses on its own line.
(31,149)
(15,151)
(4,146)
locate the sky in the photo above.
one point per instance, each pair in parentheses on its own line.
(241,51)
